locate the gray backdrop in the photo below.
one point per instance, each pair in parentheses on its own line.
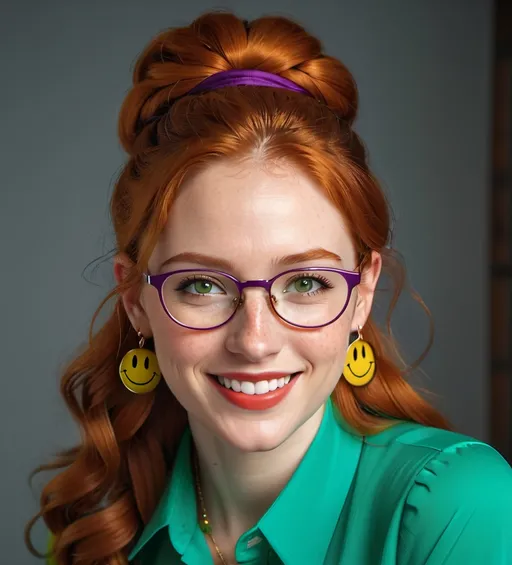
(424,71)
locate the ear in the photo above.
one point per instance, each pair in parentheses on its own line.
(366,291)
(131,296)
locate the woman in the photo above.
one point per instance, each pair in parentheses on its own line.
(240,405)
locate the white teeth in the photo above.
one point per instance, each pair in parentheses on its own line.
(248,388)
(260,387)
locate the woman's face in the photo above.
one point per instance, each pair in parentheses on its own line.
(249,216)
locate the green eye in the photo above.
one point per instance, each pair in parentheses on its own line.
(202,287)
(303,285)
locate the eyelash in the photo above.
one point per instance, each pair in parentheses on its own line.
(318,278)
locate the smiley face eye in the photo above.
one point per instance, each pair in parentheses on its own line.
(134,361)
(355,353)
(364,352)
(146,363)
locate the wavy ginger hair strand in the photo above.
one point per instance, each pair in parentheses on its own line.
(110,484)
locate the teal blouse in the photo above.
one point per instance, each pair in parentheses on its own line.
(411,495)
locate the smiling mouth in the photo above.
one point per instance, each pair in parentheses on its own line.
(364,374)
(135,382)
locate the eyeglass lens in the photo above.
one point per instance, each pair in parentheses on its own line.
(208,299)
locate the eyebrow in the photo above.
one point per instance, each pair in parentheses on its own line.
(224,265)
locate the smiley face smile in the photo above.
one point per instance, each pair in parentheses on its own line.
(364,374)
(138,382)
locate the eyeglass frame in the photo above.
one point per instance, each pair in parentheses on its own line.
(352,278)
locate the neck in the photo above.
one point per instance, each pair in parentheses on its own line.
(239,487)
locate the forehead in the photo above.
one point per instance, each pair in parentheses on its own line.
(248,213)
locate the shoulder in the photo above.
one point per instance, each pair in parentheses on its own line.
(447,496)
(440,464)
(405,448)
(429,496)
(458,508)
(468,474)
(414,445)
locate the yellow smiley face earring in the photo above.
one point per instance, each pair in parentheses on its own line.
(359,367)
(139,370)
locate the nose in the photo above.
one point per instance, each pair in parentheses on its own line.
(255,332)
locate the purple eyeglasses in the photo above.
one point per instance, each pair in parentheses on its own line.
(300,306)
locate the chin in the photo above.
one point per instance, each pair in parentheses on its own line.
(265,434)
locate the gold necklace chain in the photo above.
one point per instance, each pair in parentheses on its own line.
(204,523)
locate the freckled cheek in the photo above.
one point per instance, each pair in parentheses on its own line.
(178,347)
(326,346)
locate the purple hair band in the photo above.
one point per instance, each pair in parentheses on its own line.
(246,77)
